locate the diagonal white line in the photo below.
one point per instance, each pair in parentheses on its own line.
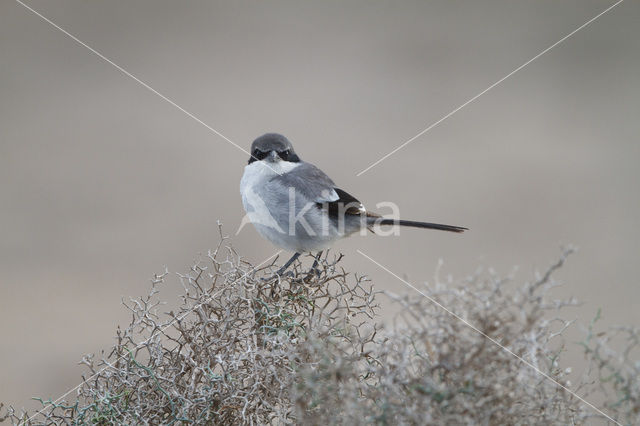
(490,87)
(139,345)
(128,74)
(492,340)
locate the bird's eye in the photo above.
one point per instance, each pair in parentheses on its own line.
(284,154)
(257,155)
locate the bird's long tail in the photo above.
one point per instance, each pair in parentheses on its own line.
(414,224)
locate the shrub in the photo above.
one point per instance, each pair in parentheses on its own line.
(307,348)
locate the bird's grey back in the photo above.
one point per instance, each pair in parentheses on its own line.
(309,182)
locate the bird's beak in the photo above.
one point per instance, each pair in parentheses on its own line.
(272,157)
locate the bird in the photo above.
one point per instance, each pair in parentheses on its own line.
(298,208)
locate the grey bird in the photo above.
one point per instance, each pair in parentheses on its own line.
(297,207)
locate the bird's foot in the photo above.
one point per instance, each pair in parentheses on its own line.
(275,276)
(313,273)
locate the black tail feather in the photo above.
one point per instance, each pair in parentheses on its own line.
(414,224)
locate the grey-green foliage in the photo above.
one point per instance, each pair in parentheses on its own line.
(309,349)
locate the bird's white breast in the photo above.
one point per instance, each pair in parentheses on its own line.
(260,208)
(258,172)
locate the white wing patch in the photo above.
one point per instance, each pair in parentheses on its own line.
(329,195)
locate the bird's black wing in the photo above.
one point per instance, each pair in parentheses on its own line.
(346,204)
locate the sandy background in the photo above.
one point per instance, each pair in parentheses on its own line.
(102,182)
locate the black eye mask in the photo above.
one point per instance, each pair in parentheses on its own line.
(287,155)
(257,155)
(284,154)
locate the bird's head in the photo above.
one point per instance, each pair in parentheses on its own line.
(272,147)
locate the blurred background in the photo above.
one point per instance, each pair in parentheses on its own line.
(102,182)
